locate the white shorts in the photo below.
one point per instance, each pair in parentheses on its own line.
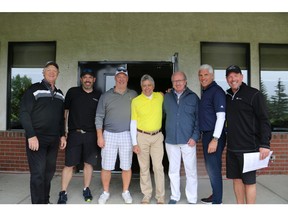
(117,143)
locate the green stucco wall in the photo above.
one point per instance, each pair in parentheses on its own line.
(136,37)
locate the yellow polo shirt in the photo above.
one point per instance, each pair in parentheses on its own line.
(147,112)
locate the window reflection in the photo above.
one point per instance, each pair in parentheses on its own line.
(274,83)
(21,79)
(34,73)
(274,87)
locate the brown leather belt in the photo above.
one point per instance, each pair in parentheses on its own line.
(149,133)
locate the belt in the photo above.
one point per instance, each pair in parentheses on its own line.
(80,131)
(149,133)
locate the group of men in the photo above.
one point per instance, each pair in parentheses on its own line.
(121,122)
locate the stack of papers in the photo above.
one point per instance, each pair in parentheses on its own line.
(252,161)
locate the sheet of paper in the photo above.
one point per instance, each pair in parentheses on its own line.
(252,161)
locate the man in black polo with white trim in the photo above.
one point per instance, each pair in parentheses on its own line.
(42,117)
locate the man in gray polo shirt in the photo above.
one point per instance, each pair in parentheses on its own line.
(113,132)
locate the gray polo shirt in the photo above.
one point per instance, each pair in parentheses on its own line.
(114,111)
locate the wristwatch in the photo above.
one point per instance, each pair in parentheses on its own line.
(215,138)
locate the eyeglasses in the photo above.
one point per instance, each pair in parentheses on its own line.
(178,81)
(121,70)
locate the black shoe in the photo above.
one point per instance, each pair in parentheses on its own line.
(87,195)
(62,197)
(171,201)
(207,200)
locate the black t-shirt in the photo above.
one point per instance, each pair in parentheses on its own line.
(82,108)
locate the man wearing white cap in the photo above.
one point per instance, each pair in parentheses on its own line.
(113,132)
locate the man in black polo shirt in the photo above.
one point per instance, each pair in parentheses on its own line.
(42,117)
(80,108)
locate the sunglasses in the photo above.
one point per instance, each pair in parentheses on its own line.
(122,70)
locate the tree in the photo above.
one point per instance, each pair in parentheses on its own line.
(279,106)
(18,86)
(264,91)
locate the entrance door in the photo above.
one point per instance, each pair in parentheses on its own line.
(104,71)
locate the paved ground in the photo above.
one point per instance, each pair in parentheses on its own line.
(14,189)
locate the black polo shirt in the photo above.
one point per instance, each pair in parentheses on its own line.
(42,110)
(82,108)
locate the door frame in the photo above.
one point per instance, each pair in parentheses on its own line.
(156,69)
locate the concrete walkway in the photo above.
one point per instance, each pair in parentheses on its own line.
(14,189)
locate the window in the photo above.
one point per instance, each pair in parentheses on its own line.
(25,66)
(221,55)
(274,83)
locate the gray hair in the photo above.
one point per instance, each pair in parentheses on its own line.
(147,77)
(207,67)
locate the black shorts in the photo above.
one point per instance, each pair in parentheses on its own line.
(81,148)
(234,168)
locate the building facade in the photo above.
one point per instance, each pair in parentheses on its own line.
(184,40)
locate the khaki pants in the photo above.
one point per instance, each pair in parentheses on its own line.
(151,145)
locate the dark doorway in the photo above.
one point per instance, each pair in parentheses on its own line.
(104,71)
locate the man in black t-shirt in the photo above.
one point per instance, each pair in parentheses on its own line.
(80,109)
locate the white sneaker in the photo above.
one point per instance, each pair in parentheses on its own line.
(127,197)
(103,197)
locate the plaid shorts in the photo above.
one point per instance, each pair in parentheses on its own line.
(117,143)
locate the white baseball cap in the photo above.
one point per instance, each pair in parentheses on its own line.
(121,70)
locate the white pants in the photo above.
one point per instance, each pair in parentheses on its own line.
(174,153)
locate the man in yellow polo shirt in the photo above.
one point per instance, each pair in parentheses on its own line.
(147,138)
